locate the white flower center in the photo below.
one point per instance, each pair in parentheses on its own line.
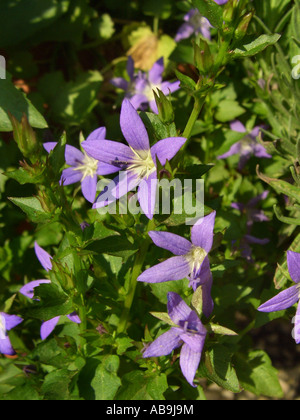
(195,258)
(142,165)
(148,92)
(88,166)
(2,327)
(197,20)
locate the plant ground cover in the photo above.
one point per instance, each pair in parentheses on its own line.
(149,183)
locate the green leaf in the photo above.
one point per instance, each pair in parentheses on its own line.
(211,10)
(228,110)
(15,102)
(21,19)
(159,8)
(116,244)
(32,207)
(281,187)
(186,82)
(163,316)
(137,385)
(257,375)
(217,368)
(56,385)
(256,46)
(106,382)
(52,302)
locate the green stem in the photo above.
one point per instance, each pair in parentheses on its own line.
(155,25)
(136,271)
(199,102)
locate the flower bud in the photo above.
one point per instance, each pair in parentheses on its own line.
(165,108)
(242,28)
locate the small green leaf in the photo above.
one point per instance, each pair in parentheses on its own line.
(106,382)
(32,207)
(256,46)
(211,10)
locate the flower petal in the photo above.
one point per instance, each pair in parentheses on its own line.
(49,146)
(296,330)
(189,363)
(175,268)
(133,127)
(166,149)
(234,150)
(147,194)
(120,83)
(163,345)
(11,321)
(178,310)
(74,318)
(73,156)
(89,188)
(28,289)
(155,74)
(293,262)
(6,347)
(48,326)
(107,151)
(70,176)
(173,243)
(236,125)
(203,232)
(98,134)
(282,301)
(43,257)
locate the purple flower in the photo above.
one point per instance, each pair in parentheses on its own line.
(28,290)
(83,168)
(7,322)
(43,257)
(188,333)
(136,162)
(290,296)
(191,260)
(194,24)
(140,88)
(251,211)
(253,215)
(246,147)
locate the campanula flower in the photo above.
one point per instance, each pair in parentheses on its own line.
(139,90)
(253,215)
(290,296)
(191,260)
(188,333)
(246,147)
(7,322)
(136,162)
(28,290)
(83,168)
(194,24)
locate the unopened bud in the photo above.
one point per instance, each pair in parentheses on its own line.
(203,57)
(25,137)
(165,108)
(242,28)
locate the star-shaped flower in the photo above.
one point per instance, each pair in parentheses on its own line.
(246,147)
(28,290)
(7,322)
(136,162)
(83,168)
(191,260)
(140,88)
(290,296)
(188,333)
